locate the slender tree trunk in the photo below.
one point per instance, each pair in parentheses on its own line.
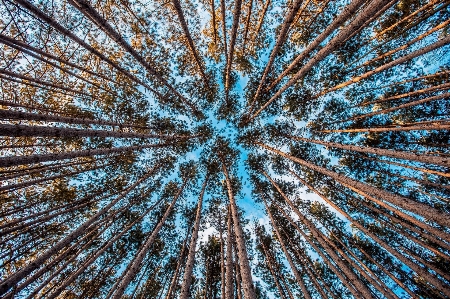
(222,260)
(275,278)
(260,22)
(37,158)
(297,275)
(234,29)
(187,278)
(174,282)
(42,131)
(213,12)
(282,35)
(224,29)
(442,42)
(359,20)
(249,291)
(430,126)
(137,261)
(229,294)
(247,24)
(15,278)
(187,34)
(445,162)
(398,200)
(11,114)
(346,13)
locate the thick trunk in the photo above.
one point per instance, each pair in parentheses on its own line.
(43,131)
(37,158)
(381,152)
(190,42)
(249,291)
(15,278)
(282,35)
(297,275)
(11,114)
(187,279)
(335,42)
(135,265)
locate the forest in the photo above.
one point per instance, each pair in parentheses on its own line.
(225,149)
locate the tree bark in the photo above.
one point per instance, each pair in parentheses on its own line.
(187,279)
(137,261)
(15,278)
(249,291)
(275,278)
(229,293)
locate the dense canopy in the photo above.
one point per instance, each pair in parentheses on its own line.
(225,149)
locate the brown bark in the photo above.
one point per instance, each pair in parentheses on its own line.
(190,42)
(187,278)
(222,260)
(43,131)
(335,42)
(260,21)
(428,126)
(272,272)
(15,278)
(297,275)
(381,152)
(282,35)
(135,265)
(224,30)
(229,293)
(247,24)
(322,240)
(37,158)
(249,291)
(173,284)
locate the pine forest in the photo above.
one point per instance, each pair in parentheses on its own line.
(225,149)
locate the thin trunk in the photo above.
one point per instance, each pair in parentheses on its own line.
(346,13)
(42,131)
(282,35)
(429,126)
(15,278)
(297,275)
(190,42)
(442,42)
(274,276)
(86,8)
(249,291)
(418,181)
(247,24)
(45,83)
(260,22)
(135,265)
(224,29)
(97,254)
(403,106)
(234,29)
(422,158)
(28,183)
(174,282)
(37,158)
(12,114)
(408,94)
(229,294)
(213,12)
(187,278)
(222,260)
(335,42)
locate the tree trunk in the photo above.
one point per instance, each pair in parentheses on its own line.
(11,114)
(187,279)
(249,291)
(429,126)
(359,20)
(222,260)
(42,131)
(37,158)
(234,29)
(445,162)
(187,34)
(275,279)
(282,35)
(297,275)
(229,293)
(15,278)
(174,282)
(247,24)
(260,21)
(136,263)
(224,29)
